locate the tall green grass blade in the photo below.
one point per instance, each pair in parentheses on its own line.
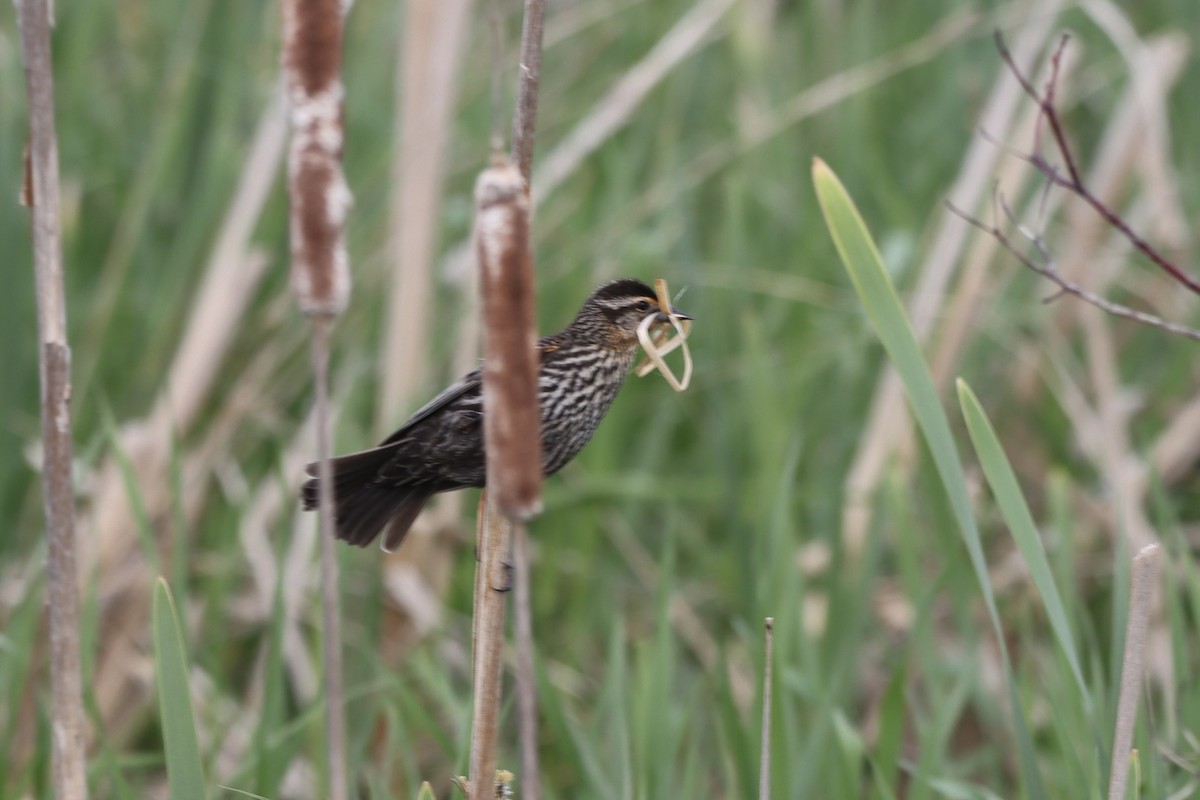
(889,742)
(874,288)
(185,772)
(1017,517)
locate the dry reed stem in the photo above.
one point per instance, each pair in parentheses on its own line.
(41,194)
(495,533)
(889,426)
(527,707)
(319,202)
(615,109)
(511,422)
(331,613)
(523,138)
(427,69)
(1143,579)
(764,766)
(525,119)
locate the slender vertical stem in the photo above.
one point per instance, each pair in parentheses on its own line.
(523,138)
(331,612)
(525,119)
(490,585)
(62,588)
(319,203)
(764,766)
(527,707)
(1145,576)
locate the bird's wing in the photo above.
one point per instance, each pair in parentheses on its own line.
(471,383)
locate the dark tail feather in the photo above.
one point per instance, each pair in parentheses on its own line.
(402,519)
(350,473)
(364,508)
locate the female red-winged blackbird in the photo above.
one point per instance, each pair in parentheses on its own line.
(440,448)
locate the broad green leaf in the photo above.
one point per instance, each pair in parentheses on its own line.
(861,259)
(185,773)
(1013,508)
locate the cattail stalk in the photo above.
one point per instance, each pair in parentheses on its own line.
(525,119)
(41,194)
(512,435)
(524,136)
(320,201)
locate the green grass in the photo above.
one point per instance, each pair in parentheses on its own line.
(888,678)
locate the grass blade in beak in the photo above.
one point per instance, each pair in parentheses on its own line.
(657,345)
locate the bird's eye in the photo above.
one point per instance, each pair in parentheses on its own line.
(643,305)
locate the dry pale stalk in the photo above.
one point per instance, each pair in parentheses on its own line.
(62,587)
(764,767)
(1145,576)
(427,66)
(525,120)
(491,581)
(320,201)
(527,709)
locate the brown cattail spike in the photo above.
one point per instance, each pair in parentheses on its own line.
(320,197)
(512,434)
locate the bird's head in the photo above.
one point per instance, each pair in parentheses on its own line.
(614,311)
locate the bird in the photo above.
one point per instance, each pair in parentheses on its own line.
(440,448)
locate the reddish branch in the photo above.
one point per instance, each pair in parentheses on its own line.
(1047,269)
(1072,181)
(1043,264)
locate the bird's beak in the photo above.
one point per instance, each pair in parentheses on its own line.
(675,312)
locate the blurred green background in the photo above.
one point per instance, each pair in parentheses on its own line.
(690,517)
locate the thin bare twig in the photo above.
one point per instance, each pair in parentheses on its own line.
(1065,285)
(1145,575)
(41,194)
(320,201)
(1073,181)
